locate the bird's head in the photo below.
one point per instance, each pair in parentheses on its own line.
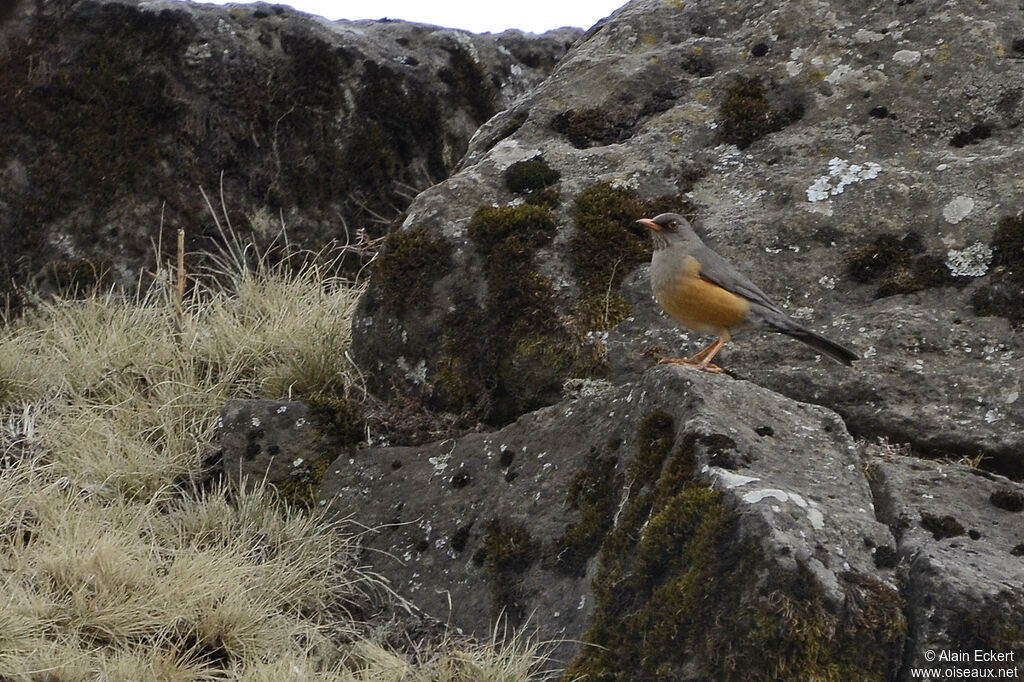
(669,229)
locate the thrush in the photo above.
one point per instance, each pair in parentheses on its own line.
(706,293)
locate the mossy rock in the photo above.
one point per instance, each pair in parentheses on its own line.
(899,265)
(679,577)
(749,111)
(411,261)
(511,354)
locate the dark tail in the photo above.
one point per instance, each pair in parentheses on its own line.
(823,345)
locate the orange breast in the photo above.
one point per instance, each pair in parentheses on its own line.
(700,305)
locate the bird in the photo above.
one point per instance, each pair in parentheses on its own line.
(704,292)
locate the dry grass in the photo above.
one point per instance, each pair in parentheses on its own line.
(115,563)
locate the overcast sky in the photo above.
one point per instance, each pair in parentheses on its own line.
(478,16)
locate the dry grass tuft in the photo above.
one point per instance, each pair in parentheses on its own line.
(118,561)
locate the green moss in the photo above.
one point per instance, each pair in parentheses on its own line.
(533,179)
(512,231)
(530,175)
(507,552)
(746,113)
(300,489)
(593,492)
(340,425)
(682,590)
(340,420)
(510,355)
(605,247)
(899,265)
(412,260)
(1004,284)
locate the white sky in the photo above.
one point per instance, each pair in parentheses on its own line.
(479,16)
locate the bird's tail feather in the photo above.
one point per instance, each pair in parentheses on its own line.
(823,345)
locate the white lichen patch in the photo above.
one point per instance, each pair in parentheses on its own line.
(417,374)
(440,463)
(970,262)
(838,74)
(841,174)
(815,517)
(957,209)
(727,479)
(864,36)
(906,57)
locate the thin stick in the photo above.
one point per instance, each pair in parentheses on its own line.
(180,301)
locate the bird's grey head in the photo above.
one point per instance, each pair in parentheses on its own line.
(670,229)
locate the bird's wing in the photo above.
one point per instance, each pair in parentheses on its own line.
(717,270)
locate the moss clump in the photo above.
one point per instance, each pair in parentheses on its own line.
(507,552)
(510,232)
(410,262)
(606,247)
(595,127)
(941,527)
(899,265)
(1010,500)
(532,178)
(510,355)
(594,493)
(678,579)
(1004,288)
(747,113)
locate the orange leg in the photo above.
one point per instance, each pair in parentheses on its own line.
(701,360)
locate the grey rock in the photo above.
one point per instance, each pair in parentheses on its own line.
(960,541)
(858,165)
(538,521)
(285,443)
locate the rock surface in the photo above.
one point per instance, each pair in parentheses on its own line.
(116,112)
(862,166)
(664,519)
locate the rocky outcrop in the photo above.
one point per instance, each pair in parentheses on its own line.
(860,166)
(689,526)
(116,112)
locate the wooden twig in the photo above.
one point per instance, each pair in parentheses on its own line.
(180,300)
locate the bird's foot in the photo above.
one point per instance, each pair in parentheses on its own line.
(696,362)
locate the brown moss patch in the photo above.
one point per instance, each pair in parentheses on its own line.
(942,527)
(1003,290)
(595,127)
(899,265)
(750,110)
